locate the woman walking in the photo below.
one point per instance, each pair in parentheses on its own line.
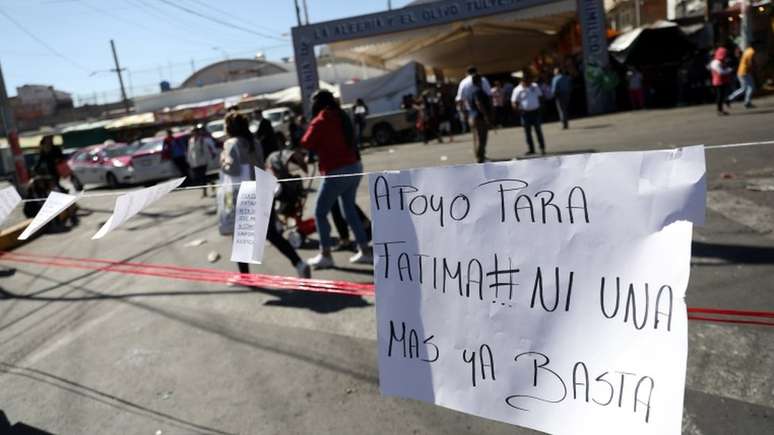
(721,77)
(331,136)
(240,155)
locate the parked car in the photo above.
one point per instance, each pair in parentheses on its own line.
(389,127)
(109,164)
(151,161)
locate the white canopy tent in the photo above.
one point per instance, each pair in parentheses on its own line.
(292,95)
(499,43)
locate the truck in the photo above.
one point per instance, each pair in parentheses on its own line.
(387,122)
(389,127)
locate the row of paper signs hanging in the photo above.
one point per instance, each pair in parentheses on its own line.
(546,293)
(252,211)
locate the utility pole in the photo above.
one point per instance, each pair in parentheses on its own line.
(746,29)
(306,13)
(389,5)
(298,13)
(9,127)
(118,70)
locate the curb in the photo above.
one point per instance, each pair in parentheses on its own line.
(9,236)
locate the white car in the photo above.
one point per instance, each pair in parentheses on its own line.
(152,162)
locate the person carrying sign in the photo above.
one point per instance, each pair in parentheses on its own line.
(526,99)
(240,155)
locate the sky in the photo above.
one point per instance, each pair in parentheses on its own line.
(66,43)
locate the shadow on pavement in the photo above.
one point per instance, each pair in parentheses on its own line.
(314,301)
(322,303)
(94,273)
(19,428)
(93,394)
(734,253)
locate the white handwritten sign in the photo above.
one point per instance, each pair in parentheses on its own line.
(253,209)
(55,204)
(9,199)
(546,293)
(129,204)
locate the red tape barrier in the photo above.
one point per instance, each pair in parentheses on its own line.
(291,283)
(194,274)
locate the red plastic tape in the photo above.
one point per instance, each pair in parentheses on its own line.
(291,283)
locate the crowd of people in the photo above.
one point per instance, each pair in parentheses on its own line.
(722,71)
(331,139)
(483,106)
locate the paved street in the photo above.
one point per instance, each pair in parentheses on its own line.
(96,352)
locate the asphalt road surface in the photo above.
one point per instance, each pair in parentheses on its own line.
(90,352)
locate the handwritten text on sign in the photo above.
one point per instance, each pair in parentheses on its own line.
(545,293)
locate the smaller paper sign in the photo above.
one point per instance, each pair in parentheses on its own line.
(55,204)
(131,203)
(253,209)
(9,199)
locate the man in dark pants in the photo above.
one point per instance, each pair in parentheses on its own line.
(526,99)
(561,88)
(265,134)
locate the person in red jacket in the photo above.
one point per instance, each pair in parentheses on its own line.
(721,77)
(332,137)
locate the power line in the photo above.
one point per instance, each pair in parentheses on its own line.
(154,11)
(136,24)
(221,11)
(43,43)
(219,21)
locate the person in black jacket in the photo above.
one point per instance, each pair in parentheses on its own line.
(265,134)
(50,156)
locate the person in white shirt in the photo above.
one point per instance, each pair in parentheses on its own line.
(466,87)
(526,100)
(465,93)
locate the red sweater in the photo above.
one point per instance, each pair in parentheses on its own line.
(325,136)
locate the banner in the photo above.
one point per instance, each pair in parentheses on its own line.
(55,204)
(545,293)
(129,204)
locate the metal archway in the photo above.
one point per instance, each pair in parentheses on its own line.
(591,15)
